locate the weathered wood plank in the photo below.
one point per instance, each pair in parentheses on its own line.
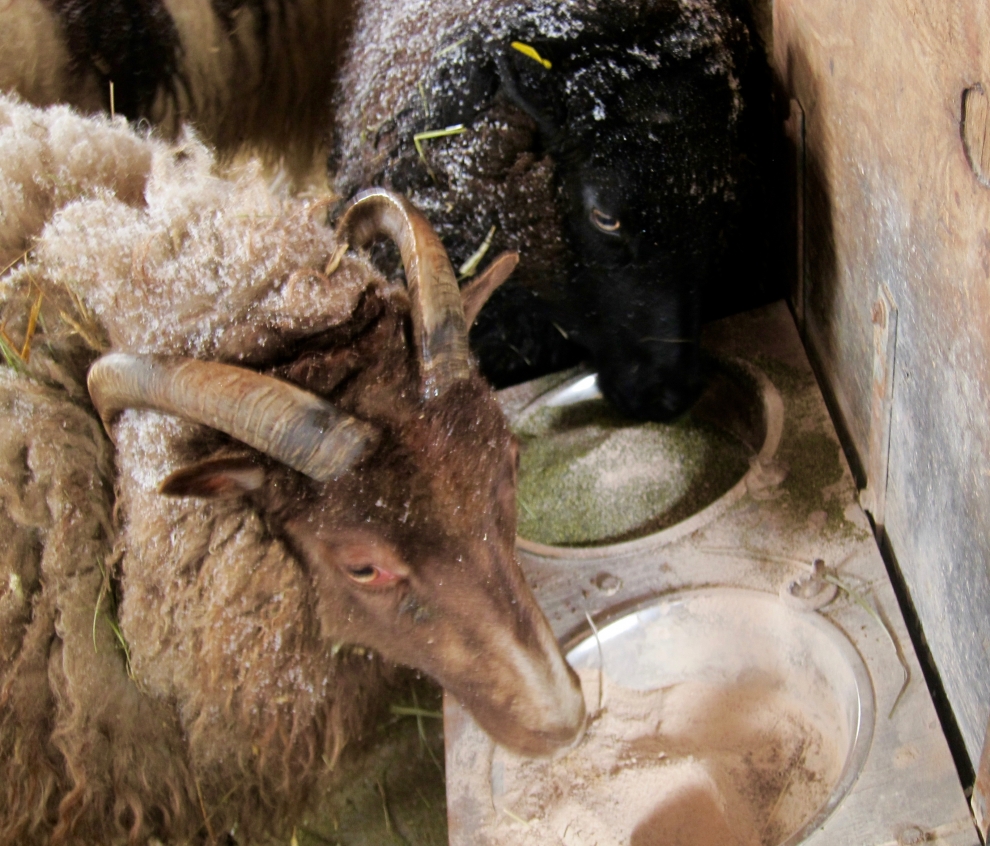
(894,197)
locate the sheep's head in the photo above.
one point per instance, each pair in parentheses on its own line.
(397,498)
(655,119)
(645,175)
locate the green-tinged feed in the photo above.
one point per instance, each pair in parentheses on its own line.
(589,476)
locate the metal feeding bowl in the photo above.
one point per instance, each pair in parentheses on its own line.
(723,716)
(595,485)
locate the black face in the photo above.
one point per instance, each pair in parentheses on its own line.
(632,304)
(643,170)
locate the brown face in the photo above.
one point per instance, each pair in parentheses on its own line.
(401,503)
(412,554)
(475,629)
(420,566)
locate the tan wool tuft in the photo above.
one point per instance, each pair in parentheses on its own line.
(162,671)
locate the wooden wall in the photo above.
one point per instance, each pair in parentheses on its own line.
(895,204)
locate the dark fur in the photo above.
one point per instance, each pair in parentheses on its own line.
(131,41)
(660,116)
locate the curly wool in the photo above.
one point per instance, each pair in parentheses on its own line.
(228,708)
(76,736)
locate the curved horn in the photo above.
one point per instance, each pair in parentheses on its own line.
(439,328)
(291,425)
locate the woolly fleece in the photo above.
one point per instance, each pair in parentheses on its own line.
(227,708)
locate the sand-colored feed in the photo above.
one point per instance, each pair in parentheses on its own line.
(693,764)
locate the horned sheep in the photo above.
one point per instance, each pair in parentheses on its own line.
(176,663)
(625,149)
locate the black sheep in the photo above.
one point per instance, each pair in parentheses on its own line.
(625,150)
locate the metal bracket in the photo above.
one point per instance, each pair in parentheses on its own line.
(874,497)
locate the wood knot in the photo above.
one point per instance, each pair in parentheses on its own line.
(975,131)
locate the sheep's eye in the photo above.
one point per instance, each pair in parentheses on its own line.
(369,574)
(606,223)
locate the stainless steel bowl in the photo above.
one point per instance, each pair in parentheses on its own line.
(741,400)
(723,635)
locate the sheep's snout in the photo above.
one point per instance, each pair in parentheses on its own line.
(548,718)
(652,368)
(528,699)
(661,392)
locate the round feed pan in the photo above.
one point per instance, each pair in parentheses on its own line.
(732,638)
(741,411)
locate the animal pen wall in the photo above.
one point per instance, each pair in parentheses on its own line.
(890,124)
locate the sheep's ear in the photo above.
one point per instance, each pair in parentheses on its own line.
(215,478)
(476,292)
(528,82)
